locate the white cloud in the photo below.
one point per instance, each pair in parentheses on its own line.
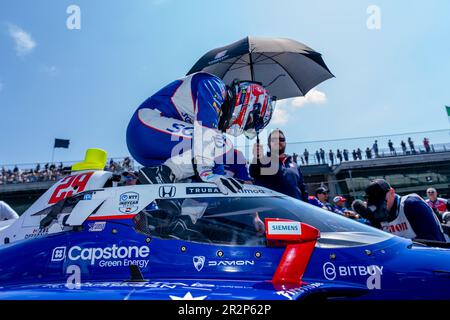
(314,96)
(50,70)
(23,40)
(280,115)
(287,106)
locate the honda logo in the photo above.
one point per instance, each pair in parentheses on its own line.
(167,191)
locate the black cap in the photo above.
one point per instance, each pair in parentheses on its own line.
(376,192)
(321,190)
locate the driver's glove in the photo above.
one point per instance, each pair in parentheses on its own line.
(224,183)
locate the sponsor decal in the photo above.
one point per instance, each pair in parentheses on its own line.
(331,272)
(202,190)
(187,118)
(199,262)
(59,253)
(112,256)
(37,233)
(251,191)
(222,55)
(97,226)
(284,228)
(399,227)
(152,284)
(167,191)
(128,202)
(182,129)
(87,196)
(211,190)
(291,294)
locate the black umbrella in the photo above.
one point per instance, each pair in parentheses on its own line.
(287,68)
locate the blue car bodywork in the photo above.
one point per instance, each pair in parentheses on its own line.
(144,255)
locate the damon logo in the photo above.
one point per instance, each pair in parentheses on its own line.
(167,191)
(59,254)
(199,262)
(231,263)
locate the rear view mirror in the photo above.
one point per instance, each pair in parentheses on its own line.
(299,239)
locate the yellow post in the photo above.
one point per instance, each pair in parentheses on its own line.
(95,159)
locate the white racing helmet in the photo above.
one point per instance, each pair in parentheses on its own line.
(253,109)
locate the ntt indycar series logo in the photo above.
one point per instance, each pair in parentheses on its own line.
(113,256)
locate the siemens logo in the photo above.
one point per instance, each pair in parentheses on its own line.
(284,227)
(93,254)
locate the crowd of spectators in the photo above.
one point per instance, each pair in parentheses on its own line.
(332,158)
(54,172)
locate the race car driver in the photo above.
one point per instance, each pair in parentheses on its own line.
(408,216)
(177,133)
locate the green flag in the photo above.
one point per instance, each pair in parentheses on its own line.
(447,108)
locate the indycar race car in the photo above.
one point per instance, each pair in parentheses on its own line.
(88,239)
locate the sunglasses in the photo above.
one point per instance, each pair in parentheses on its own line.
(278,139)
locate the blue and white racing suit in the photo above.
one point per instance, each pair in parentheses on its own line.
(167,127)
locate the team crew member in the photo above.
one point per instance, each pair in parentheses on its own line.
(408,216)
(6,212)
(179,130)
(277,170)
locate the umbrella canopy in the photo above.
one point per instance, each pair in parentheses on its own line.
(287,68)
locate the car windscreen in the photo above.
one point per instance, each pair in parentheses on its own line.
(240,221)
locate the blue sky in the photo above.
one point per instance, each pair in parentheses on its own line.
(84,85)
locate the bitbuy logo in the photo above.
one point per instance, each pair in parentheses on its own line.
(76,253)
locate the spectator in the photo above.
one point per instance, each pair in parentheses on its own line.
(331,156)
(403,144)
(339,155)
(322,194)
(340,208)
(426,144)
(322,155)
(408,216)
(318,157)
(439,205)
(411,146)
(306,156)
(345,153)
(355,156)
(315,202)
(359,154)
(6,212)
(368,153)
(287,178)
(391,148)
(375,148)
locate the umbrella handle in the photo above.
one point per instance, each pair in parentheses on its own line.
(258,161)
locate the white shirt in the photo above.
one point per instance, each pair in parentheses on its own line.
(6,212)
